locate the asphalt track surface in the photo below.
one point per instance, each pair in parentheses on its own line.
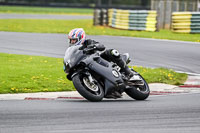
(171,113)
(42,16)
(177,55)
(158,114)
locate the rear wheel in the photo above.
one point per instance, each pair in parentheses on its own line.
(139,92)
(92,91)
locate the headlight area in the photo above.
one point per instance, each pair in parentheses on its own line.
(66,67)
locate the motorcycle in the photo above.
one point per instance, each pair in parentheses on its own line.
(96,78)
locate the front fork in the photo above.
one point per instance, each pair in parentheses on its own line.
(89,77)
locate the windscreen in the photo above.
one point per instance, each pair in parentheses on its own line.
(73,55)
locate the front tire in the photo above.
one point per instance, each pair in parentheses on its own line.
(93,95)
(139,92)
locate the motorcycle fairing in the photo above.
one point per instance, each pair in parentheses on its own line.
(104,69)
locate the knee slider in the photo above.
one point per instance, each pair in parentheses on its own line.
(115,53)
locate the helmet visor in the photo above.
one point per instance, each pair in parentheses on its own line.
(73,41)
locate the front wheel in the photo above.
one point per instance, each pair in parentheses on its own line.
(91,91)
(139,92)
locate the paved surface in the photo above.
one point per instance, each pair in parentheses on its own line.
(42,16)
(177,111)
(180,56)
(158,114)
(62,112)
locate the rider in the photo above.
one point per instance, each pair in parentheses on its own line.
(77,36)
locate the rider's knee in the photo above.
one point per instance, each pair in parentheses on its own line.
(114,53)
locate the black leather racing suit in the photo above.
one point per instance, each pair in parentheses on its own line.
(109,55)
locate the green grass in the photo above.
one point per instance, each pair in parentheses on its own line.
(161,75)
(64,26)
(45,10)
(24,73)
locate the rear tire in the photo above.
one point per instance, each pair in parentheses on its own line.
(86,92)
(139,92)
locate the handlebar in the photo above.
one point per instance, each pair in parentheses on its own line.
(89,50)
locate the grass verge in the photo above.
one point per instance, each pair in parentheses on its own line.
(45,10)
(25,74)
(64,26)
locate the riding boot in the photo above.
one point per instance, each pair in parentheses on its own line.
(127,71)
(124,68)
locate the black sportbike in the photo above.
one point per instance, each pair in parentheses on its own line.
(96,78)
